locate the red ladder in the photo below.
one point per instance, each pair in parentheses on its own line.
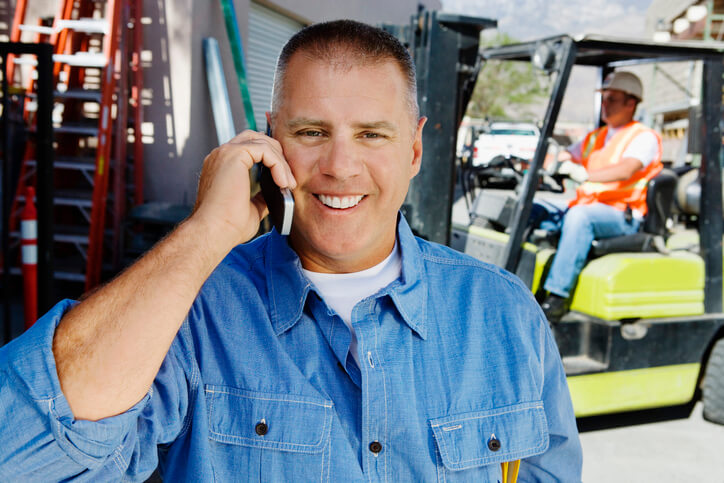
(92,49)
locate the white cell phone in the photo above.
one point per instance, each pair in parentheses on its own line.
(280,202)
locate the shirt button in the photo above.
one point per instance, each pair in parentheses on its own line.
(494,444)
(261,428)
(375,446)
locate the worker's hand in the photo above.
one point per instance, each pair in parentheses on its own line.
(224,201)
(574,171)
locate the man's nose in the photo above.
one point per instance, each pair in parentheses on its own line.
(341,160)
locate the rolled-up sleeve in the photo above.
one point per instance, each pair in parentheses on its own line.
(41,440)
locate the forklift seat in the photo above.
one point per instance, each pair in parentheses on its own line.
(688,192)
(659,199)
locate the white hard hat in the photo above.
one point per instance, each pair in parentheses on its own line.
(625,82)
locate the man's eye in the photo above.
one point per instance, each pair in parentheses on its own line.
(372,135)
(310,133)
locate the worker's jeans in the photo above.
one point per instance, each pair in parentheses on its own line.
(581,225)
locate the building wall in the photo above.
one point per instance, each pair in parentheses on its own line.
(666,11)
(179,130)
(670,88)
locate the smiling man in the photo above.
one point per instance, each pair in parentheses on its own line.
(353,145)
(348,351)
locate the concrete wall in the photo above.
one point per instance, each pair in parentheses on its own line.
(179,130)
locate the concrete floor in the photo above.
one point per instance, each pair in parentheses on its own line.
(668,451)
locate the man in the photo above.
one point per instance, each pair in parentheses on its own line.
(616,163)
(349,351)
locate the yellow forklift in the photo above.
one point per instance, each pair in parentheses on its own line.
(645,327)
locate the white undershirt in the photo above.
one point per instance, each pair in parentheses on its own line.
(342,291)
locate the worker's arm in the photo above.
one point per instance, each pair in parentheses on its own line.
(620,171)
(109,348)
(563,155)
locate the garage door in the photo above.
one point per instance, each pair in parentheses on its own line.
(268,32)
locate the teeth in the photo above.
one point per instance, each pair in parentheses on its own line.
(340,203)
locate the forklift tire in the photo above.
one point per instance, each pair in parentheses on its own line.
(713,390)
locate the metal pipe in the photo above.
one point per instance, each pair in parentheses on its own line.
(511,254)
(710,222)
(44,176)
(220,105)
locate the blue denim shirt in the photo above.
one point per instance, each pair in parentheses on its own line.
(459,373)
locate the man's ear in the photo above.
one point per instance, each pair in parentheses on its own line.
(417,148)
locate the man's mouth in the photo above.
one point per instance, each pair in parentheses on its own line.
(340,202)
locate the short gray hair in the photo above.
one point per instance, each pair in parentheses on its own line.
(347,42)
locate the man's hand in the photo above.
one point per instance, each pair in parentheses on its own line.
(574,171)
(552,161)
(109,348)
(224,196)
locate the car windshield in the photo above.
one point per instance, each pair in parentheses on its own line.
(513,132)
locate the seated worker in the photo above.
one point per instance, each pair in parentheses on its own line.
(347,351)
(616,163)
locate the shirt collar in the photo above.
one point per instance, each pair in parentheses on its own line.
(410,292)
(288,287)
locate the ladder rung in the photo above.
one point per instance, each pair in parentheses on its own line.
(64,238)
(82,59)
(79,59)
(83,128)
(38,29)
(70,268)
(68,198)
(59,274)
(73,198)
(85,161)
(85,25)
(81,94)
(64,234)
(65,162)
(70,276)
(71,234)
(26,60)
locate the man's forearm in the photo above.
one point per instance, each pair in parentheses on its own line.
(620,171)
(109,348)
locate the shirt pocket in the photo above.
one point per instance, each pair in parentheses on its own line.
(472,445)
(259,436)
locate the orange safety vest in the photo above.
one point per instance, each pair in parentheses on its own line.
(630,193)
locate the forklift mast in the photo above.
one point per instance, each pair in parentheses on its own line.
(444,48)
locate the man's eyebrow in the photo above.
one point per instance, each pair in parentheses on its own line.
(306,122)
(376,125)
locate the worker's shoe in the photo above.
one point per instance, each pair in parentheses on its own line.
(554,307)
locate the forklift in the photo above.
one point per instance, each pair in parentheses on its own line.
(645,328)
